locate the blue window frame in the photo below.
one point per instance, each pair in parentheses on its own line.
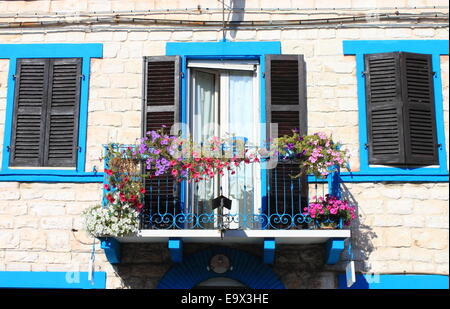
(367,173)
(224,50)
(15,51)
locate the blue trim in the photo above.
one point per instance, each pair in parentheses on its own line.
(92,50)
(51,280)
(395,282)
(433,47)
(15,51)
(225,50)
(36,177)
(222,49)
(175,246)
(245,268)
(112,249)
(269,251)
(334,247)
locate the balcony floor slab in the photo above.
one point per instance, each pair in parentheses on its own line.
(237,236)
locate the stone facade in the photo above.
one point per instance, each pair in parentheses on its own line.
(401,227)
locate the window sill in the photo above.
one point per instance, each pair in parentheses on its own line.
(50,176)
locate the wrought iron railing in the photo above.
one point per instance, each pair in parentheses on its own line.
(260,199)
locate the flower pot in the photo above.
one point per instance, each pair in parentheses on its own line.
(328,225)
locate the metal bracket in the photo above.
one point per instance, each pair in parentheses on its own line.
(175,246)
(269,251)
(335,246)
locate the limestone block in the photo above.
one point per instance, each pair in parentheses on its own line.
(105,119)
(32,238)
(138,36)
(20,256)
(6,222)
(160,36)
(414,221)
(46,208)
(26,222)
(58,241)
(397,237)
(389,221)
(59,195)
(30,194)
(9,239)
(400,207)
(56,223)
(9,194)
(54,257)
(89,195)
(431,238)
(120,36)
(18,266)
(440,221)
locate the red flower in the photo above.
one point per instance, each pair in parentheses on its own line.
(122,197)
(125,179)
(142,190)
(109,172)
(110,198)
(106,187)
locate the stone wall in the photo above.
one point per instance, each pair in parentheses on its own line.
(402,227)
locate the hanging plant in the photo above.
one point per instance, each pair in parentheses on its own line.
(317,154)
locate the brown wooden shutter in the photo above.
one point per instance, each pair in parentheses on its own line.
(161,92)
(161,106)
(384,109)
(286,92)
(63,113)
(30,100)
(285,77)
(401,122)
(418,99)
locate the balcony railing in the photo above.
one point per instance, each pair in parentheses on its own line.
(261,199)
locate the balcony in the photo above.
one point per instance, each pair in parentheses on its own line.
(249,204)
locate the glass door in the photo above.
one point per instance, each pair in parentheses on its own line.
(224,102)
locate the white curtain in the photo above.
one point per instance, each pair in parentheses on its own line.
(241,125)
(204,120)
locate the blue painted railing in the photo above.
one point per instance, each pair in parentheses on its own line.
(284,206)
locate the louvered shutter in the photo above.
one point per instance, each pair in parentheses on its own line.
(161,107)
(419,110)
(384,109)
(285,77)
(61,141)
(30,98)
(286,92)
(401,123)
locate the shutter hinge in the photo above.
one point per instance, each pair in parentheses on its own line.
(181,75)
(8,148)
(364,73)
(79,148)
(434,74)
(366,146)
(264,74)
(82,76)
(14,77)
(439,146)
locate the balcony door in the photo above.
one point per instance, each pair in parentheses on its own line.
(224,102)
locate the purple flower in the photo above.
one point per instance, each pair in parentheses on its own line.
(290,146)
